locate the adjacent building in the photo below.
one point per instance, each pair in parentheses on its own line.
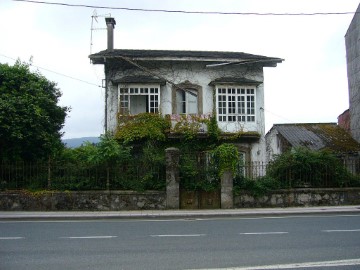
(352,43)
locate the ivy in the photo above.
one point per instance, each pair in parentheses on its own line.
(141,127)
(227,156)
(189,125)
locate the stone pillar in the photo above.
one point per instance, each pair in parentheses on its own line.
(227,200)
(172,178)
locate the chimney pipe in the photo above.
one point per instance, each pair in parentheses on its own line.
(110,23)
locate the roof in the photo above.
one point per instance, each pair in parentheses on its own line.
(234,80)
(172,55)
(318,136)
(139,79)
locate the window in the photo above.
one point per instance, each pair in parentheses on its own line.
(186,101)
(235,104)
(135,100)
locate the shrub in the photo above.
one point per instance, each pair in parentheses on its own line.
(302,167)
(256,187)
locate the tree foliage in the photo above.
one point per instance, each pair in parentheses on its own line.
(30,118)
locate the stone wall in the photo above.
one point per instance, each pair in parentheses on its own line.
(82,201)
(156,200)
(300,197)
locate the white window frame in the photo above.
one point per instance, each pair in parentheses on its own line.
(236,103)
(125,92)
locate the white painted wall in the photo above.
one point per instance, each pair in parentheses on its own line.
(273,146)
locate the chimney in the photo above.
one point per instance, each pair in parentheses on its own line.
(110,23)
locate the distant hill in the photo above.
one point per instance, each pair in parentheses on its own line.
(76,142)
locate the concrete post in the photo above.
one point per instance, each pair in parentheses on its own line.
(227,200)
(172,178)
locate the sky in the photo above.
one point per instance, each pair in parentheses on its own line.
(310,86)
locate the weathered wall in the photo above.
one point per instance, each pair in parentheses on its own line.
(272,144)
(82,201)
(353,70)
(300,197)
(120,200)
(344,120)
(198,74)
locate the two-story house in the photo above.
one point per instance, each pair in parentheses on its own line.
(203,83)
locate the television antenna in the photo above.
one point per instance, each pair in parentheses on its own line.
(94,17)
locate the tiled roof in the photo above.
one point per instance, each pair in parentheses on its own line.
(139,79)
(318,136)
(172,55)
(234,80)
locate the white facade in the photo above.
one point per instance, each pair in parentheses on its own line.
(273,144)
(197,75)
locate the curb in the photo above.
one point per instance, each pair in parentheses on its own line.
(178,214)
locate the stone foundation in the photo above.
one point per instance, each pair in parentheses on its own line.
(300,197)
(156,200)
(82,201)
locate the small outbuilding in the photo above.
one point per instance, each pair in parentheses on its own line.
(314,136)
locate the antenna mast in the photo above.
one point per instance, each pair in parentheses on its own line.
(94,17)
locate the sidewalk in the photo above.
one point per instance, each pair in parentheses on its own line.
(179,214)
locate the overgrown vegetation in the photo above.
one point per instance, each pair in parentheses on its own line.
(134,159)
(141,127)
(302,167)
(299,168)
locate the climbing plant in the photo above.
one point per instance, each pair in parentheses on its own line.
(227,156)
(142,127)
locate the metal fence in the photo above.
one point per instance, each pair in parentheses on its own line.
(306,175)
(81,176)
(139,175)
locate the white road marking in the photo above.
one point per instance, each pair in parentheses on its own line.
(89,237)
(262,233)
(11,238)
(296,265)
(177,235)
(330,231)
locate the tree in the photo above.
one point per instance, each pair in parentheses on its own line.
(30,119)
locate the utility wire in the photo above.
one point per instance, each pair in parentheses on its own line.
(279,116)
(188,12)
(58,73)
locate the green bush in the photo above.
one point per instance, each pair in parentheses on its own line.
(302,167)
(256,187)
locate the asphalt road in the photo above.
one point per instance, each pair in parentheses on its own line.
(307,242)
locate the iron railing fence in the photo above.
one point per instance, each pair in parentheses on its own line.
(81,176)
(319,175)
(195,172)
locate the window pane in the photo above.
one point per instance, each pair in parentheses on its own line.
(236,104)
(186,102)
(180,102)
(192,105)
